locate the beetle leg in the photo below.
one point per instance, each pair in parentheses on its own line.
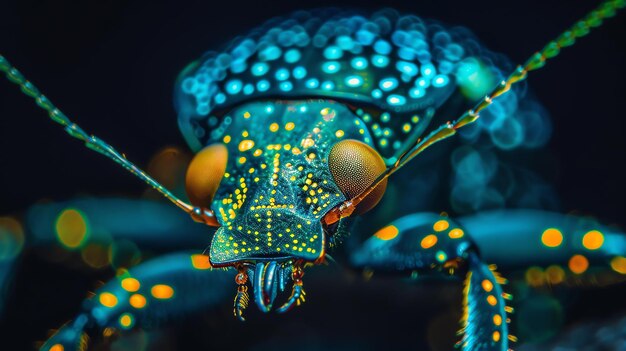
(572,248)
(147,295)
(434,245)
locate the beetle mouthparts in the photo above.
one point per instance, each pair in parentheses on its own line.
(268,279)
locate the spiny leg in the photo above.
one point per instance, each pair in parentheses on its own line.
(433,245)
(147,295)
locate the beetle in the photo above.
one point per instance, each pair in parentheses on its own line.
(264,289)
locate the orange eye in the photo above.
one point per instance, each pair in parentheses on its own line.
(205,173)
(354,166)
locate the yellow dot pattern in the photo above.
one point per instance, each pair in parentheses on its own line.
(277,185)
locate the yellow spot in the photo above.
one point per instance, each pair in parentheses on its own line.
(311,155)
(200,261)
(274,127)
(130,284)
(456,233)
(107,299)
(246,114)
(555,274)
(618,263)
(227,139)
(126,320)
(257,152)
(492,300)
(441,225)
(429,241)
(289,126)
(57,347)
(534,276)
(246,145)
(137,301)
(71,228)
(497,319)
(387,233)
(487,285)
(162,291)
(339,133)
(496,336)
(308,142)
(578,264)
(552,237)
(593,240)
(242,160)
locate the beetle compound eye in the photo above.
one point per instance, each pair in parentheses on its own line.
(354,166)
(205,173)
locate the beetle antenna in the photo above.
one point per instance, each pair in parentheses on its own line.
(580,29)
(97,144)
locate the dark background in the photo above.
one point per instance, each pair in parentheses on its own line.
(110,66)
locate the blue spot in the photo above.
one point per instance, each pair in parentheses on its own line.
(270,53)
(428,70)
(189,85)
(282,74)
(400,38)
(260,68)
(406,54)
(422,82)
(382,47)
(233,86)
(262,85)
(299,72)
(354,81)
(507,133)
(380,61)
(292,56)
(396,100)
(417,93)
(365,37)
(385,117)
(328,85)
(312,83)
(359,63)
(388,84)
(238,66)
(407,67)
(445,67)
(333,52)
(286,86)
(248,89)
(377,93)
(345,42)
(454,52)
(286,38)
(440,81)
(220,98)
(331,67)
